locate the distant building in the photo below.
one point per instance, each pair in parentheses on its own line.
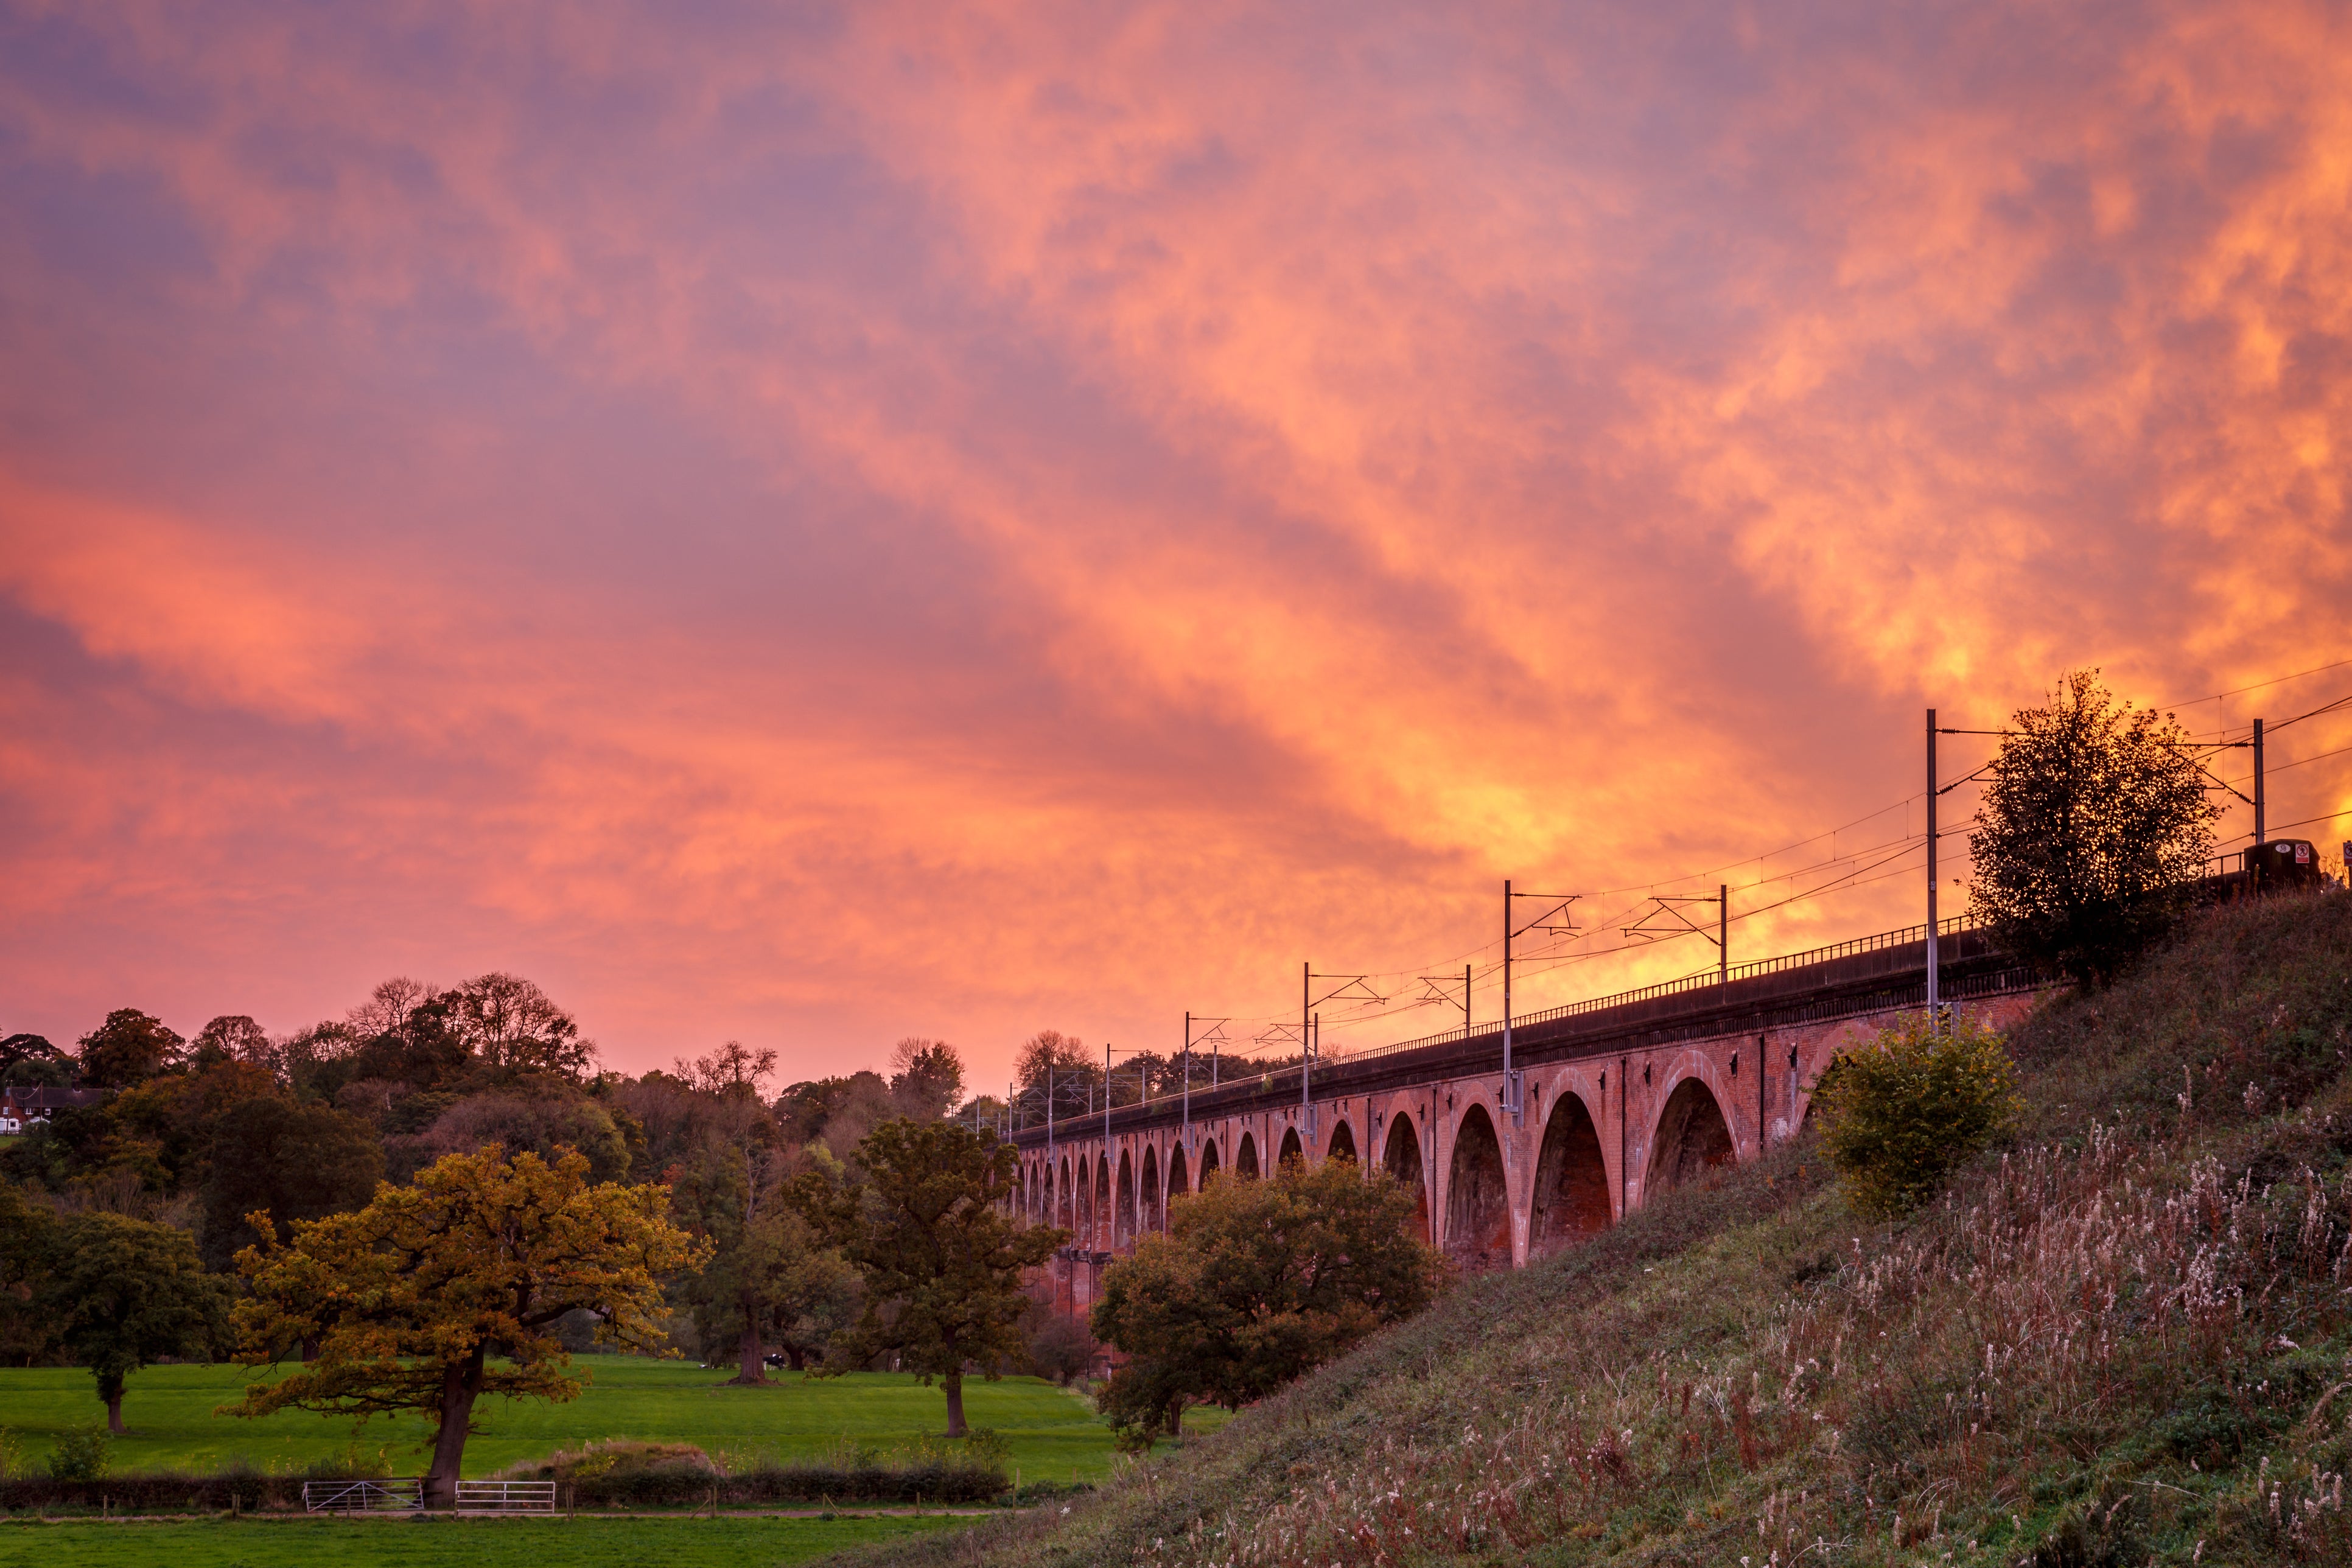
(19,1108)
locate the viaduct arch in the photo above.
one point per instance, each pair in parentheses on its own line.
(1343,1141)
(1401,1160)
(1570,1199)
(1478,1202)
(1692,1135)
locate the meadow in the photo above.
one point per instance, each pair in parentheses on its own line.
(447,1543)
(1051,1433)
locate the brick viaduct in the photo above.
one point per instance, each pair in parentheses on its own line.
(1623,1097)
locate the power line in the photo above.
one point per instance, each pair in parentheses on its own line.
(2259,684)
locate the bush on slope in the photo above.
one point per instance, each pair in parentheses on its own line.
(2124,1335)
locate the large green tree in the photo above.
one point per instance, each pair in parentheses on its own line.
(771,1284)
(29,1061)
(448,1288)
(126,1292)
(929,1230)
(1255,1283)
(293,1160)
(2096,819)
(27,1247)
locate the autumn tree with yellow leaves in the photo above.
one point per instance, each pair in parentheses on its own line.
(448,1288)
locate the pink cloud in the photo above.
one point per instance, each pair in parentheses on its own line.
(888,522)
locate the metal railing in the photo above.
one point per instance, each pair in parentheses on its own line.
(363,1497)
(1706,980)
(506,1497)
(1206,1102)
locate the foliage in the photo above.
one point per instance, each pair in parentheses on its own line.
(1255,1283)
(1897,1116)
(838,1113)
(128,1047)
(770,1282)
(232,1038)
(511,1026)
(941,1258)
(407,1297)
(29,1333)
(29,1061)
(1060,1345)
(2094,820)
(625,1472)
(925,1077)
(1049,1058)
(544,1121)
(78,1453)
(297,1162)
(733,1072)
(124,1293)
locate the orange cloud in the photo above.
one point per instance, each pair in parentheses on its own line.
(864,523)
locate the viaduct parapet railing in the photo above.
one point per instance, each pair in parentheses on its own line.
(1881,973)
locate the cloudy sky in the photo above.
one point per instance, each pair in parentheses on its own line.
(817,523)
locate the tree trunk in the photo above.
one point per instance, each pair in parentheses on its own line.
(460,1382)
(114,1411)
(954,1383)
(796,1357)
(753,1364)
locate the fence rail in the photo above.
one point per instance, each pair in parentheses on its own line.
(363,1497)
(506,1497)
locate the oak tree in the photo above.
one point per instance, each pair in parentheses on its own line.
(930,1230)
(451,1288)
(1255,1283)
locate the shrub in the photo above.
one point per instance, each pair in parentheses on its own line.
(1060,1347)
(79,1454)
(1897,1117)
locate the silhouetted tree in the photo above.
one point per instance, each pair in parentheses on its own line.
(128,1047)
(512,1025)
(2095,821)
(232,1039)
(925,1077)
(29,1061)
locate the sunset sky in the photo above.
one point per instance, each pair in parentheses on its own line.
(817,523)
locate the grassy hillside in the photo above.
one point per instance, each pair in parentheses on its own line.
(2125,1337)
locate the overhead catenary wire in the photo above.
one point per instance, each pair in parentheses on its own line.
(1390,999)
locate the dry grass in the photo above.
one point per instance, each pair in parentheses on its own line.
(2125,1338)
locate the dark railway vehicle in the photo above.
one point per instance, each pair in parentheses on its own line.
(2277,864)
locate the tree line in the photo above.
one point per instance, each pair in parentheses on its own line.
(455,1159)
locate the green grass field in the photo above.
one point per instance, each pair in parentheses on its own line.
(445,1543)
(1053,1434)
